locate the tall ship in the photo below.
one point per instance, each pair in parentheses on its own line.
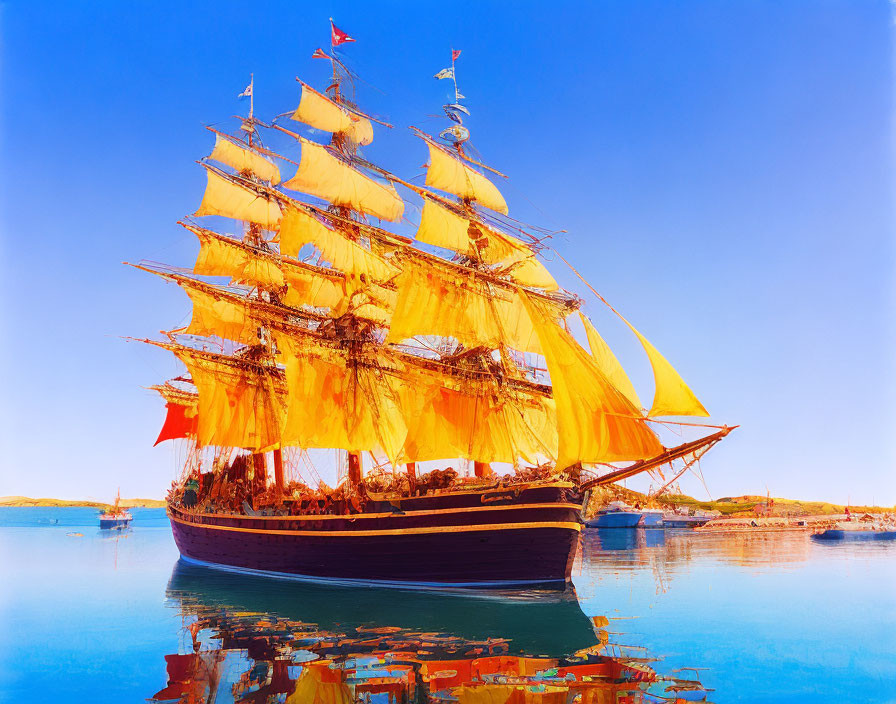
(467,421)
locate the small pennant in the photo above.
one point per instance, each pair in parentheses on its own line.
(337,36)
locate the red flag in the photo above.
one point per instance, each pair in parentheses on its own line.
(454,54)
(337,36)
(319,54)
(177,423)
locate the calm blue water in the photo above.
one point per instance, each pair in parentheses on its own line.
(765,617)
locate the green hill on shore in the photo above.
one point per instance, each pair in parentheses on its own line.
(727,506)
(61,503)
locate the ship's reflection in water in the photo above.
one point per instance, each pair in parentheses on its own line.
(251,639)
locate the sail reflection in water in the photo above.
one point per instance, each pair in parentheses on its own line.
(248,639)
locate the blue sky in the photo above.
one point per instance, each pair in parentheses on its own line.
(723,170)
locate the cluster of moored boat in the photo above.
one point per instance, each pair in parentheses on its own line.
(618,514)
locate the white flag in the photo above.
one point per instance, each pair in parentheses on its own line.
(246,93)
(445,73)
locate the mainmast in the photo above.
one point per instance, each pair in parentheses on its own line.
(348,149)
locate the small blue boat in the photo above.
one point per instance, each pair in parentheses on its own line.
(116,518)
(856,531)
(616,515)
(119,519)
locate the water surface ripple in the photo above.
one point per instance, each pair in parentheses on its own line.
(112,616)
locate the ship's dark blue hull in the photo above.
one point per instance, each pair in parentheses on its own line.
(517,536)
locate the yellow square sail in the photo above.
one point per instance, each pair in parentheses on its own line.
(220,316)
(238,406)
(442,227)
(230,200)
(244,160)
(318,111)
(324,175)
(447,173)
(300,227)
(433,300)
(221,256)
(333,404)
(479,421)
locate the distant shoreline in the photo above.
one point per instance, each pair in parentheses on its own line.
(20,501)
(728,506)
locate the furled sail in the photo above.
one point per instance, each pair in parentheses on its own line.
(596,422)
(226,197)
(609,364)
(243,159)
(326,176)
(448,173)
(672,397)
(458,303)
(299,227)
(241,404)
(318,111)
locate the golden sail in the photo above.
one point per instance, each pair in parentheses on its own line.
(326,176)
(231,199)
(443,227)
(318,111)
(451,377)
(448,173)
(243,159)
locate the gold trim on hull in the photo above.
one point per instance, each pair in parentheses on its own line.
(412,514)
(395,531)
